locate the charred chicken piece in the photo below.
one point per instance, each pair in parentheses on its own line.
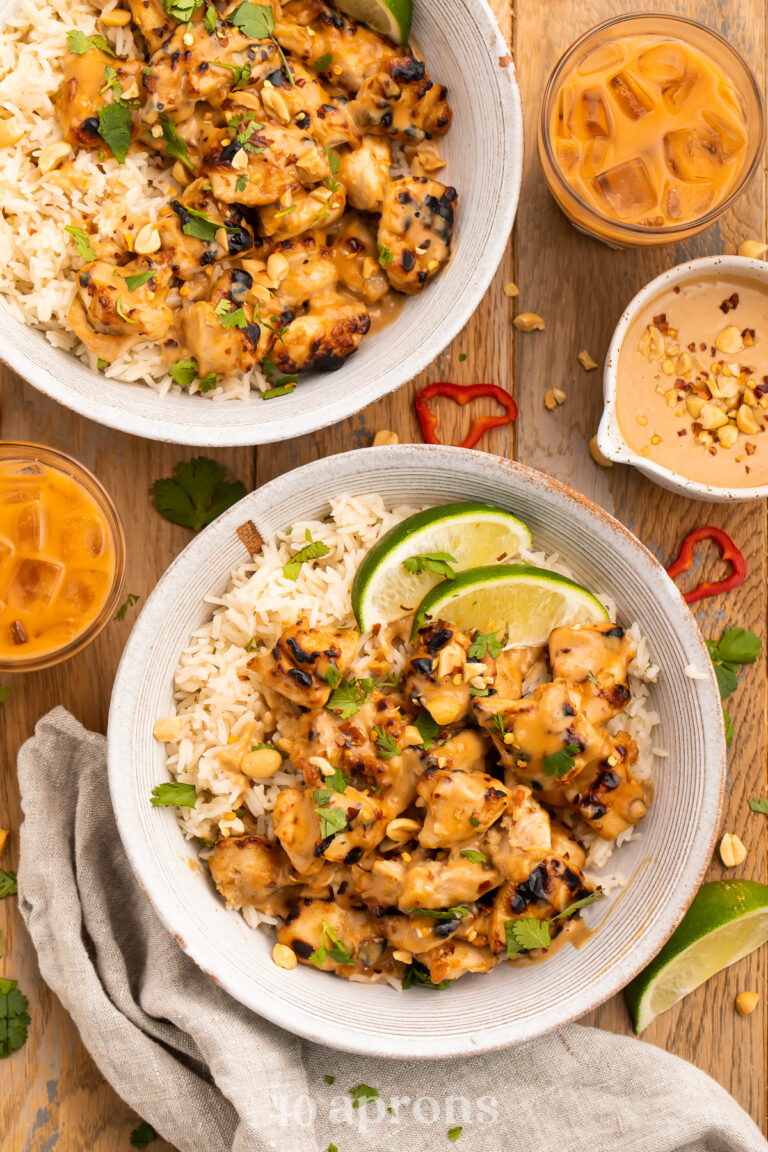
(297,666)
(438,660)
(400,101)
(594,660)
(251,871)
(415,231)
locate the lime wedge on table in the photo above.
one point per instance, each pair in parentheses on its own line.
(525,602)
(388,17)
(727,920)
(470,532)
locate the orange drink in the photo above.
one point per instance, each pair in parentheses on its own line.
(651,126)
(62,556)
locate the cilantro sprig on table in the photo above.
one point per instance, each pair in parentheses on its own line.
(8,885)
(14,1018)
(530,932)
(198,492)
(142,1135)
(736,647)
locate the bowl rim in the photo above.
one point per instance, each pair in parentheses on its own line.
(610,439)
(626,230)
(313,417)
(123,710)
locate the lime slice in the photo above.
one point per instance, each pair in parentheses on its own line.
(390,18)
(471,532)
(525,602)
(727,920)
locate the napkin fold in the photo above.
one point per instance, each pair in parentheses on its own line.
(211,1076)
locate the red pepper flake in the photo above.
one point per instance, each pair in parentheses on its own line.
(730,553)
(463,394)
(682,432)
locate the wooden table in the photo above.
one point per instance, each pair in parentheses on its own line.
(51,1094)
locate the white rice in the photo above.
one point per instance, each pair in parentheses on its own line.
(218,701)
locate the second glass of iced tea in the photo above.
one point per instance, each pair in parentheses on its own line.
(650,128)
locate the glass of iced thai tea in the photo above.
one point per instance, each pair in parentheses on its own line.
(62,557)
(651,126)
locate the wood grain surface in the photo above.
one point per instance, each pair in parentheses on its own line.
(51,1094)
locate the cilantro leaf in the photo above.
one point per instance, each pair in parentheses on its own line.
(329,1079)
(323,63)
(474,820)
(437,562)
(200,226)
(385,255)
(4,692)
(211,18)
(132,598)
(111,81)
(364,1093)
(311,551)
(728,727)
(175,146)
(332,820)
(577,904)
(183,10)
(727,680)
(479,691)
(208,383)
(256,21)
(760,805)
(78,43)
(282,390)
(337,781)
(142,1135)
(121,312)
(526,934)
(385,742)
(241,73)
(115,128)
(736,646)
(560,763)
(137,281)
(474,855)
(417,975)
(482,643)
(347,700)
(197,493)
(82,243)
(332,675)
(14,1020)
(8,885)
(498,723)
(241,183)
(235,319)
(331,946)
(459,912)
(175,795)
(183,372)
(454,1133)
(428,727)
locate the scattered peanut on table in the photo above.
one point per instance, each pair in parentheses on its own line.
(732,850)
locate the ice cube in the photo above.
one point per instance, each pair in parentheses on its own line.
(563,112)
(681,201)
(694,153)
(84,589)
(590,116)
(82,538)
(627,188)
(664,64)
(29,527)
(601,59)
(631,97)
(59,634)
(33,584)
(20,495)
(677,92)
(567,153)
(732,137)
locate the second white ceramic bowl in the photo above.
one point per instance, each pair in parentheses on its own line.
(609,437)
(464,48)
(663,866)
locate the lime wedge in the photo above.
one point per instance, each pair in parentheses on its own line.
(390,18)
(472,533)
(727,920)
(525,602)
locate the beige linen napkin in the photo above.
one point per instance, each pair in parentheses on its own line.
(211,1076)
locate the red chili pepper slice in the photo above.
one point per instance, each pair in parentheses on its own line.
(463,394)
(731,553)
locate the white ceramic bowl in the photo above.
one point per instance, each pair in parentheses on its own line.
(609,437)
(461,42)
(665,865)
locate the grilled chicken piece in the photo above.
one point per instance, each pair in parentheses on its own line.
(179,74)
(322,822)
(459,805)
(152,20)
(550,887)
(310,106)
(343,932)
(307,209)
(594,660)
(113,308)
(509,670)
(311,269)
(364,172)
(311,30)
(607,796)
(83,92)
(251,872)
(400,101)
(297,827)
(523,836)
(329,332)
(465,750)
(418,934)
(225,351)
(187,255)
(298,664)
(415,230)
(424,883)
(255,164)
(564,846)
(543,740)
(456,958)
(437,659)
(356,259)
